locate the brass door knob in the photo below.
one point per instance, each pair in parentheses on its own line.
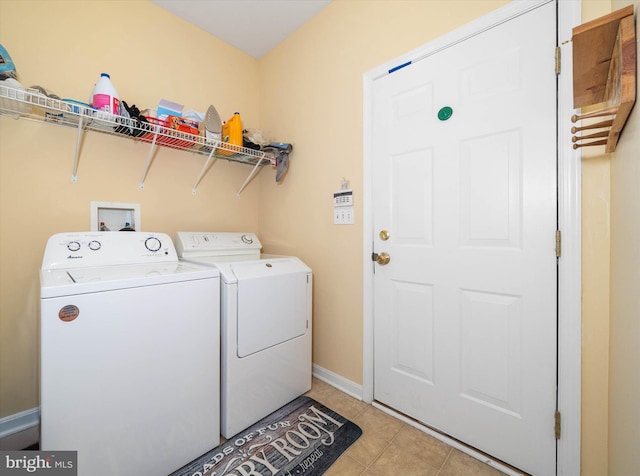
(383,259)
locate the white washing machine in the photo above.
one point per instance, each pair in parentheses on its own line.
(129,353)
(265,320)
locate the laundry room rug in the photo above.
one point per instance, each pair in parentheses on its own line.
(302,437)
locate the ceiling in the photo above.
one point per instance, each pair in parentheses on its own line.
(253,26)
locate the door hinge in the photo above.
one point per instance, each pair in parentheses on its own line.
(557,425)
(558,244)
(557,60)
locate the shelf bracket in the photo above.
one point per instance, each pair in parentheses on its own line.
(74,174)
(204,170)
(149,159)
(253,172)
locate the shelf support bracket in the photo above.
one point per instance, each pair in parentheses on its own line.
(205,167)
(74,174)
(149,159)
(253,172)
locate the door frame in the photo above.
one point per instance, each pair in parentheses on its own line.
(569,219)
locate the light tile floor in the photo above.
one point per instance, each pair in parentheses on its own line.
(390,446)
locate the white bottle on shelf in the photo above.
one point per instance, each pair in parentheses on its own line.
(105,97)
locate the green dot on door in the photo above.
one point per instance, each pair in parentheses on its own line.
(445,113)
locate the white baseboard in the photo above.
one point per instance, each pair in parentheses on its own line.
(20,430)
(337,381)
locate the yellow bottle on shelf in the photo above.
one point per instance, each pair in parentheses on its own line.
(232,134)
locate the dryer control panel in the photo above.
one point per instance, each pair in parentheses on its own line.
(86,249)
(217,244)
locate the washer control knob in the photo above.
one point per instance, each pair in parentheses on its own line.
(246,239)
(73,246)
(153,244)
(95,245)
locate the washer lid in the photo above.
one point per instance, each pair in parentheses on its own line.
(64,282)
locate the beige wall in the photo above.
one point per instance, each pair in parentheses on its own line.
(307,91)
(150,54)
(596,205)
(611,306)
(624,373)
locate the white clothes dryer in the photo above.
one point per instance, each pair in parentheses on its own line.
(129,353)
(265,318)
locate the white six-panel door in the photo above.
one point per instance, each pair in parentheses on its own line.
(464,182)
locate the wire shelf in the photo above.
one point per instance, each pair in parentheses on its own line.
(32,105)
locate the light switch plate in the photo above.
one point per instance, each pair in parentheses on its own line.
(343,216)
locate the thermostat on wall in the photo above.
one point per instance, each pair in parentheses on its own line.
(343,198)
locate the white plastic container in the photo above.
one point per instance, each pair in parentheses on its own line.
(104,96)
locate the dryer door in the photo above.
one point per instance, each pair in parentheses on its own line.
(272,303)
